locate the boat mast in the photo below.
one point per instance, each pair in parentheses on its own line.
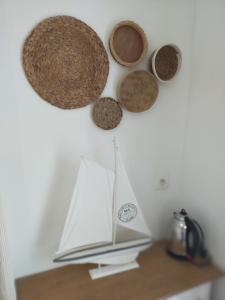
(114,208)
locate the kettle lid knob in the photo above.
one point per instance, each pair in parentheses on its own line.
(183,212)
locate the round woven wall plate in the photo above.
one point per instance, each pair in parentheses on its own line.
(138,91)
(65,62)
(107,113)
(128,43)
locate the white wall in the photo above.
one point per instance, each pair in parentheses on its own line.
(41,144)
(204,159)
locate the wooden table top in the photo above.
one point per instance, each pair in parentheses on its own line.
(158,277)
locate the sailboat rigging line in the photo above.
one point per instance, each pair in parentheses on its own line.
(63,259)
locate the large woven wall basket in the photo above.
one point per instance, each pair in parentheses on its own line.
(65,62)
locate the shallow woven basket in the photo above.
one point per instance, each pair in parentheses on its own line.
(128,43)
(65,62)
(138,91)
(107,113)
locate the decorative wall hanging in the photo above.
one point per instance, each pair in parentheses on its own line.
(166,62)
(138,91)
(107,113)
(128,43)
(65,62)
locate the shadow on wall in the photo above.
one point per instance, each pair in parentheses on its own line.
(55,211)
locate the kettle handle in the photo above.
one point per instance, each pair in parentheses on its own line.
(192,229)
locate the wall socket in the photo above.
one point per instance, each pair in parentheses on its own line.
(162,183)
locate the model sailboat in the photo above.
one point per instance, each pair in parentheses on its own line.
(105,224)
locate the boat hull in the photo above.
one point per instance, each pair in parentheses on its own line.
(123,256)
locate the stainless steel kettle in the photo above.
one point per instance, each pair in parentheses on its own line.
(187,239)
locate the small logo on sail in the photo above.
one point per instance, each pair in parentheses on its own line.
(127,212)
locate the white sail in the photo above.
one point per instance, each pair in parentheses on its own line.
(89,220)
(105,223)
(7,284)
(129,217)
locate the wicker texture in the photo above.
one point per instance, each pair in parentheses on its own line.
(138,91)
(65,62)
(128,43)
(107,113)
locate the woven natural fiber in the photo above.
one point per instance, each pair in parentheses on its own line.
(128,43)
(65,62)
(138,91)
(107,113)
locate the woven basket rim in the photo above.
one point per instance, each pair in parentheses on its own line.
(143,36)
(69,96)
(121,101)
(105,119)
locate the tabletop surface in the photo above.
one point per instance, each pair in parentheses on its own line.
(159,276)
